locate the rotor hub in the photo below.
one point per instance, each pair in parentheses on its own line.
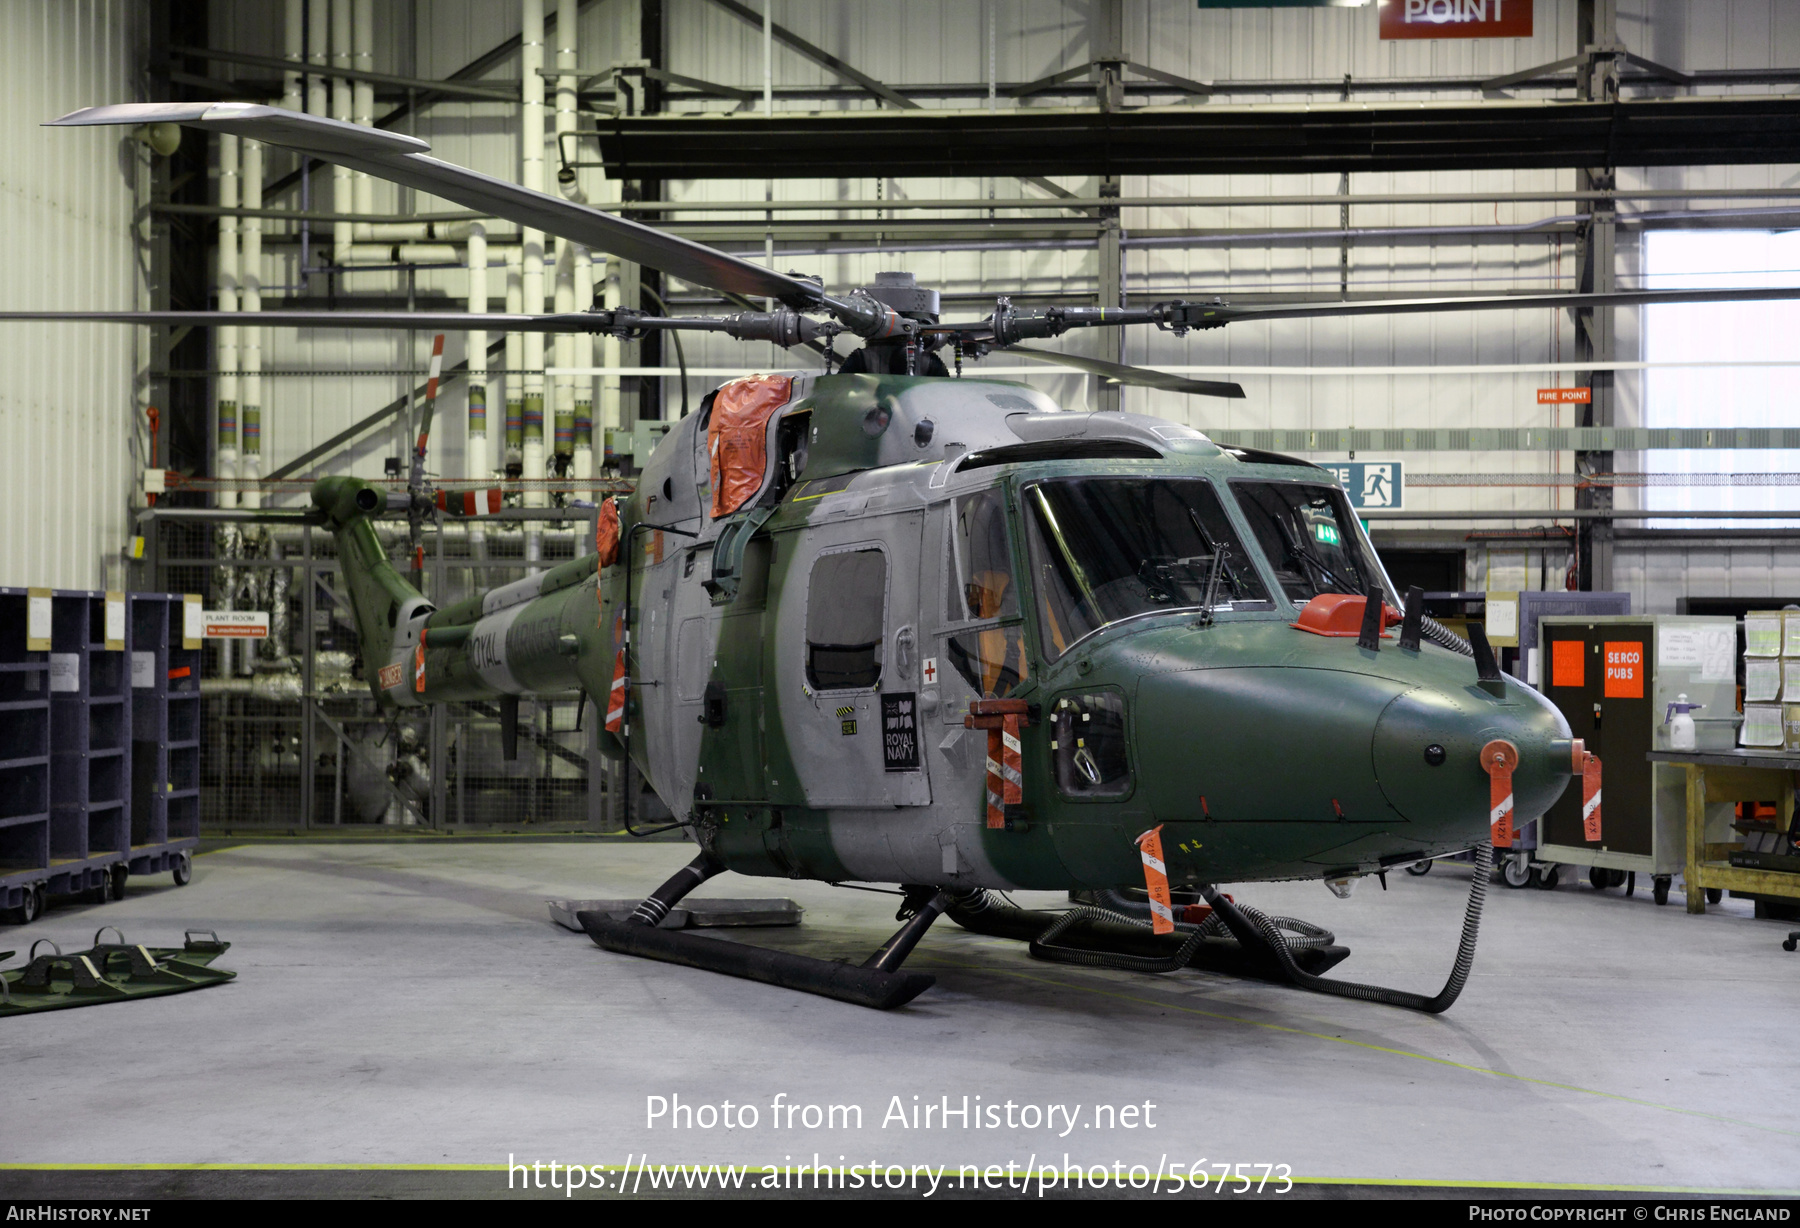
(903,293)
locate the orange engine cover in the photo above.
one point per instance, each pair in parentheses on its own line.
(737,438)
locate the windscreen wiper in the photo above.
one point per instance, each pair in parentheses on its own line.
(1218,552)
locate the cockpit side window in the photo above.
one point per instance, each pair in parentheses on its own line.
(981,588)
(1311,538)
(981,576)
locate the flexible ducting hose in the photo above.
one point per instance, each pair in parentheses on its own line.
(1264,927)
(1443,637)
(1303,934)
(979,912)
(1043,946)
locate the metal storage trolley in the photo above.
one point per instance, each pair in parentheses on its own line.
(99,744)
(1613,678)
(165,733)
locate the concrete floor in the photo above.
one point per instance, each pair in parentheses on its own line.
(413,1004)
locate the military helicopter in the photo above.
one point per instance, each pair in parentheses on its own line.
(886,625)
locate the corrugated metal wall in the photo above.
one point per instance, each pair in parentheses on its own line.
(935,41)
(69,419)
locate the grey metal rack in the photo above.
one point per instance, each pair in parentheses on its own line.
(90,744)
(24,750)
(99,743)
(165,735)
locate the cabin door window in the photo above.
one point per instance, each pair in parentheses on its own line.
(845,603)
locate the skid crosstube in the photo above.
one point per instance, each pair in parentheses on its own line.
(860,986)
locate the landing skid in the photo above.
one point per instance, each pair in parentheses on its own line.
(877,983)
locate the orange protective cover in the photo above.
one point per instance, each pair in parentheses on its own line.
(606,533)
(737,437)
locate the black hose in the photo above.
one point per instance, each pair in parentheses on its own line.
(1250,924)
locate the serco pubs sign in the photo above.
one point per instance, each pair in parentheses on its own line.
(1455,18)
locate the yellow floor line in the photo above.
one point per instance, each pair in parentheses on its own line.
(1574,1187)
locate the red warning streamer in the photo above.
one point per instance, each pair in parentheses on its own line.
(419,664)
(431,389)
(1590,797)
(471,502)
(615,699)
(996,786)
(1499,758)
(1156,881)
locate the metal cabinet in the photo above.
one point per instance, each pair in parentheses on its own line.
(1613,678)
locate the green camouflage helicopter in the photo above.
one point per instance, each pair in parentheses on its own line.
(891,626)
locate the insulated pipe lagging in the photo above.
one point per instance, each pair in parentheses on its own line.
(475,454)
(343,198)
(362,93)
(250,406)
(531,172)
(293,50)
(226,335)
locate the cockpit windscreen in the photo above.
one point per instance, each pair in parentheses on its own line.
(1310,537)
(1107,549)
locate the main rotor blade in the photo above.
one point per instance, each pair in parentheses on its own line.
(1227,314)
(1141,376)
(402,159)
(436,321)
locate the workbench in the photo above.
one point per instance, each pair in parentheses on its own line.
(1733,776)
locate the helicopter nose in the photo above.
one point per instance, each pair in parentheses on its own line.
(1427,754)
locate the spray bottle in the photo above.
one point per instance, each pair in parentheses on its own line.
(1681,725)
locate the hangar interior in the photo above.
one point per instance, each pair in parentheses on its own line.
(1085,153)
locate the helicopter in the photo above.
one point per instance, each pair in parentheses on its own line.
(887,625)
